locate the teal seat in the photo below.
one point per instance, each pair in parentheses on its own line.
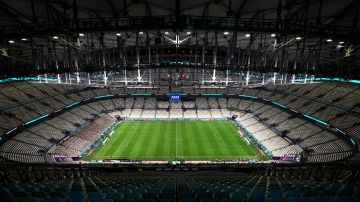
(29,199)
(277,199)
(52,200)
(92,195)
(343,199)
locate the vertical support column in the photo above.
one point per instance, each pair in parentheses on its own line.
(138,58)
(215,58)
(203,59)
(203,64)
(66,78)
(293,78)
(105,78)
(139,75)
(274,78)
(125,77)
(57,68)
(276,55)
(195,56)
(38,68)
(247,78)
(203,76)
(45,75)
(149,60)
(263,80)
(227,77)
(77,71)
(89,81)
(104,65)
(214,75)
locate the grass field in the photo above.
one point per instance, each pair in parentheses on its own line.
(184,140)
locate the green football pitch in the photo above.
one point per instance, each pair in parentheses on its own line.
(169,140)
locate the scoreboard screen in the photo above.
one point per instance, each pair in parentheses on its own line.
(174,97)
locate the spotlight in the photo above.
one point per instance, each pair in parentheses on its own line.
(166,33)
(247,35)
(188,33)
(11,41)
(24,39)
(341,42)
(329,40)
(226,33)
(55,37)
(141,33)
(118,34)
(298,38)
(81,34)
(273,35)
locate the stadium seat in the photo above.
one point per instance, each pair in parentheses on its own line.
(210,200)
(343,199)
(277,199)
(134,196)
(324,199)
(114,195)
(29,199)
(93,195)
(238,195)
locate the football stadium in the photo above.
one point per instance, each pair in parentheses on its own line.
(180,101)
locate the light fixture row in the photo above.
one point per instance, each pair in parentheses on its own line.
(188,33)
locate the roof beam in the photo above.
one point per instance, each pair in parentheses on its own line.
(346,10)
(13,13)
(238,12)
(112,6)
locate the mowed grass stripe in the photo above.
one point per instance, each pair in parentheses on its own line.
(183,142)
(130,144)
(142,141)
(225,145)
(157,140)
(214,140)
(115,139)
(197,140)
(249,149)
(166,137)
(232,141)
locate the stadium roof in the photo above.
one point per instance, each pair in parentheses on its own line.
(320,35)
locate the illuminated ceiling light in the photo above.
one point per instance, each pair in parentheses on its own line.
(141,33)
(118,34)
(273,35)
(166,33)
(188,33)
(55,37)
(81,34)
(341,42)
(329,40)
(226,33)
(298,38)
(247,35)
(24,39)
(11,41)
